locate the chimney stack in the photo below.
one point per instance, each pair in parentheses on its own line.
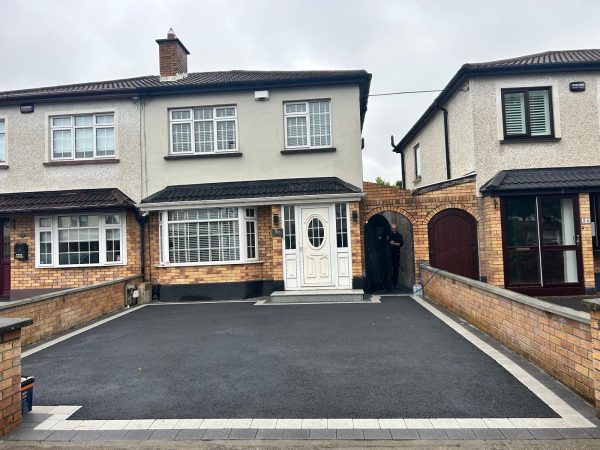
(172,56)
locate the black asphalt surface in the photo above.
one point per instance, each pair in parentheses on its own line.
(236,360)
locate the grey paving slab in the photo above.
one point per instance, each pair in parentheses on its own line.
(189,435)
(27,434)
(432,434)
(137,435)
(574,433)
(545,433)
(488,433)
(210,435)
(34,417)
(461,433)
(163,435)
(112,435)
(243,433)
(323,434)
(594,432)
(269,434)
(62,435)
(296,434)
(86,436)
(404,434)
(517,433)
(350,434)
(377,434)
(425,352)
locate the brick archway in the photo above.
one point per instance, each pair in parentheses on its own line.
(441,208)
(394,209)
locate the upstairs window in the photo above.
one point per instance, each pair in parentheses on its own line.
(85,136)
(527,113)
(204,130)
(417,153)
(2,142)
(307,124)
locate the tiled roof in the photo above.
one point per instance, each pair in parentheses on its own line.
(563,179)
(200,80)
(64,201)
(252,189)
(550,57)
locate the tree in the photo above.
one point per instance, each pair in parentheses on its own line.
(399,184)
(381,181)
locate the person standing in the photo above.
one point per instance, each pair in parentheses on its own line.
(395,242)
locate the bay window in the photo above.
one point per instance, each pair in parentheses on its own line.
(307,124)
(208,235)
(203,130)
(527,113)
(80,240)
(85,136)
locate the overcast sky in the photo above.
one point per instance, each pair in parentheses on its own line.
(406,45)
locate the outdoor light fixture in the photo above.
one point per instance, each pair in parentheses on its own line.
(354,216)
(276,219)
(26,109)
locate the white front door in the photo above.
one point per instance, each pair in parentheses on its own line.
(315,246)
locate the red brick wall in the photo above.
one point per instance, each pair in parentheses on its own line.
(57,313)
(559,345)
(10,384)
(172,58)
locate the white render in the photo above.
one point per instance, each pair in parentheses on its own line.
(28,147)
(260,126)
(476,130)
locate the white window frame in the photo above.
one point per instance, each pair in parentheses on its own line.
(4,162)
(418,161)
(73,127)
(214,120)
(102,227)
(307,115)
(241,218)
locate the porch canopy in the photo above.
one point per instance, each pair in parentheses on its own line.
(256,192)
(44,202)
(554,180)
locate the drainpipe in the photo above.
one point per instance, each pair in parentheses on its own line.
(142,219)
(395,147)
(446,139)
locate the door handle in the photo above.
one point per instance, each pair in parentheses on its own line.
(578,240)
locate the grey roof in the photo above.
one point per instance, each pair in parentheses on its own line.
(69,200)
(556,179)
(257,189)
(545,62)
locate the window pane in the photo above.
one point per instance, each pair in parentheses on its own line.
(112,219)
(61,144)
(418,161)
(61,121)
(2,142)
(204,136)
(203,114)
(514,113)
(84,143)
(558,221)
(295,108)
(83,121)
(341,225)
(181,114)
(105,119)
(320,124)
(560,266)
(46,247)
(521,222)
(289,222)
(523,267)
(2,126)
(113,245)
(539,113)
(226,135)
(296,131)
(182,138)
(226,112)
(105,141)
(251,239)
(78,246)
(45,222)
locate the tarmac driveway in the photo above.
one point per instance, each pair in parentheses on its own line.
(237,360)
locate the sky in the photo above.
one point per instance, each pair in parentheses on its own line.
(407,45)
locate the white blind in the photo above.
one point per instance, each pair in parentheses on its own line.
(539,113)
(514,113)
(320,124)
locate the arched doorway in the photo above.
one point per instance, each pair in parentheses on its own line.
(453,243)
(377,258)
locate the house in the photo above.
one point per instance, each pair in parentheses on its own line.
(519,139)
(212,184)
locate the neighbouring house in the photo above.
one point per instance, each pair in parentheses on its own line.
(212,184)
(508,158)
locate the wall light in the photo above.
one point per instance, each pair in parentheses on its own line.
(276,219)
(354,216)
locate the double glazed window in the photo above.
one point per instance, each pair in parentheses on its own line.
(2,142)
(80,240)
(210,235)
(527,113)
(341,225)
(203,130)
(85,136)
(307,124)
(417,154)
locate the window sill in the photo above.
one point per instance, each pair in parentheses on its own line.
(529,140)
(81,266)
(308,150)
(82,162)
(3,167)
(206,155)
(206,264)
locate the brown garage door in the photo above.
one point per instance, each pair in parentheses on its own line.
(453,243)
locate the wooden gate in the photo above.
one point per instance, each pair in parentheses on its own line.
(453,243)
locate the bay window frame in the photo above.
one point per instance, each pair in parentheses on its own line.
(306,114)
(527,135)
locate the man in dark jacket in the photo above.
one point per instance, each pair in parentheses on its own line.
(395,241)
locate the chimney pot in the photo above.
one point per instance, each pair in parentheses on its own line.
(171,34)
(172,56)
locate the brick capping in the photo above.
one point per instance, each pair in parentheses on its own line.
(592,303)
(563,311)
(8,324)
(444,184)
(61,293)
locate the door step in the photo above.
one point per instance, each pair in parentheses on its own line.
(318,296)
